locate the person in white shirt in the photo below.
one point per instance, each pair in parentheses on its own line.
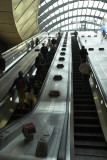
(85,69)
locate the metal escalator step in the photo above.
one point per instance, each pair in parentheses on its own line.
(85,113)
(78,81)
(77,74)
(91,152)
(83,96)
(84,107)
(83,101)
(87,128)
(86,120)
(89,137)
(78,91)
(78,84)
(76,71)
(92,144)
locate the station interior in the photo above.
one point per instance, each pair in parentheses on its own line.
(50,107)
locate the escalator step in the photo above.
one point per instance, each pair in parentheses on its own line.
(91,152)
(83,101)
(85,113)
(86,97)
(92,144)
(86,120)
(87,128)
(76,91)
(98,136)
(84,107)
(88,136)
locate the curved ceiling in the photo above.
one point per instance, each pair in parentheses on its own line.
(71,14)
(18,20)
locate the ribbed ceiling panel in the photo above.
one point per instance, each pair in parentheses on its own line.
(71,14)
(25,15)
(18,20)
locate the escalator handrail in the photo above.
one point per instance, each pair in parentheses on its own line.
(8,94)
(37,104)
(63,142)
(24,42)
(99,84)
(97,79)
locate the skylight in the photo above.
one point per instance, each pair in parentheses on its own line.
(71,13)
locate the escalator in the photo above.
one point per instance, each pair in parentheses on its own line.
(89,141)
(19,113)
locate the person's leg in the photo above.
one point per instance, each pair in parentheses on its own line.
(19,96)
(86,81)
(1,72)
(22,99)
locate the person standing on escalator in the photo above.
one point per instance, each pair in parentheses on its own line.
(83,54)
(32,43)
(21,86)
(37,41)
(85,70)
(40,65)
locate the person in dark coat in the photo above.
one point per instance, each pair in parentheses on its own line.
(37,41)
(32,43)
(59,38)
(83,54)
(44,51)
(39,64)
(2,65)
(53,41)
(21,86)
(85,70)
(75,34)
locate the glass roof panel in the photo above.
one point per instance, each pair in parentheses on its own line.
(85,4)
(93,12)
(105,6)
(60,2)
(66,8)
(58,18)
(79,11)
(66,15)
(51,7)
(83,11)
(75,4)
(57,12)
(75,13)
(61,9)
(90,4)
(89,11)
(101,5)
(96,4)
(71,6)
(65,1)
(42,4)
(62,16)
(97,13)
(47,1)
(101,14)
(66,22)
(55,4)
(80,4)
(70,11)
